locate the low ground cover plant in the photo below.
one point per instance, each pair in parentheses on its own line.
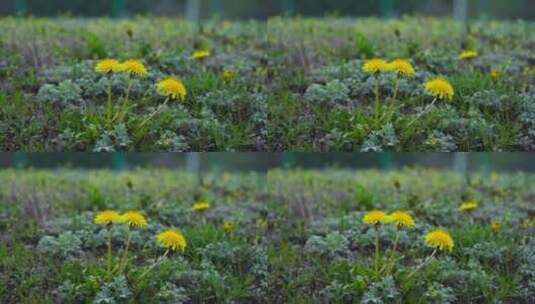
(413,84)
(291,236)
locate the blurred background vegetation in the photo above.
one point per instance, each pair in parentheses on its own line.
(487,162)
(510,9)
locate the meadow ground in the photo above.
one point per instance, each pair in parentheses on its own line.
(293,236)
(282,85)
(323,100)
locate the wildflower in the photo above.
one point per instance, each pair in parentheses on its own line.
(229,227)
(402,67)
(201,206)
(496,75)
(135,219)
(439,239)
(468,55)
(172,88)
(200,55)
(402,219)
(108,218)
(496,227)
(375,218)
(172,239)
(228,75)
(108,66)
(469,206)
(376,66)
(134,67)
(440,88)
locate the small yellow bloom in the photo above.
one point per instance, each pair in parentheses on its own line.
(440,88)
(201,206)
(402,67)
(496,227)
(496,75)
(201,55)
(375,217)
(403,219)
(135,219)
(108,218)
(228,75)
(134,67)
(172,239)
(440,239)
(376,66)
(172,88)
(469,206)
(468,55)
(108,66)
(229,227)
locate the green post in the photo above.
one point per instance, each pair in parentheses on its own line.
(460,10)
(288,7)
(485,164)
(386,160)
(216,8)
(21,159)
(119,161)
(288,159)
(387,8)
(193,10)
(21,7)
(119,8)
(483,8)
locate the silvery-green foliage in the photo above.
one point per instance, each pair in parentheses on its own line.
(221,252)
(116,140)
(487,252)
(172,294)
(115,292)
(380,140)
(334,92)
(488,100)
(337,292)
(66,244)
(332,245)
(440,142)
(64,94)
(170,141)
(527,118)
(438,293)
(527,268)
(381,292)
(260,270)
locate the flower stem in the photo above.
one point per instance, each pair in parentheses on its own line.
(154,113)
(109,110)
(377,250)
(124,260)
(396,89)
(153,265)
(109,253)
(422,113)
(422,265)
(377,101)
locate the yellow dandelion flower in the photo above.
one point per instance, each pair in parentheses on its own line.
(403,220)
(375,217)
(172,239)
(376,66)
(135,219)
(496,227)
(402,67)
(440,239)
(134,67)
(469,206)
(108,218)
(201,206)
(201,55)
(468,55)
(229,227)
(108,66)
(172,88)
(228,75)
(496,75)
(440,88)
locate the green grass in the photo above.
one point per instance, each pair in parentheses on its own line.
(298,85)
(299,237)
